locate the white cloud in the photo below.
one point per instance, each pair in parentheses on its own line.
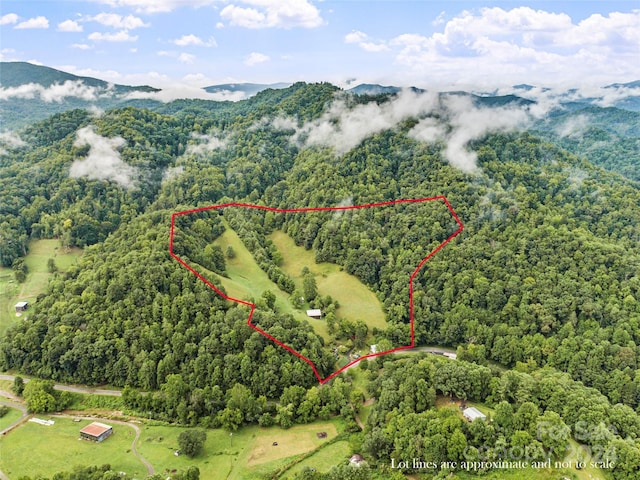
(172,172)
(573,126)
(114,20)
(254,58)
(186,57)
(205,144)
(355,37)
(493,45)
(157,6)
(55,93)
(10,141)
(81,46)
(6,51)
(272,14)
(69,26)
(172,92)
(181,57)
(453,120)
(189,40)
(343,128)
(103,161)
(9,19)
(36,22)
(361,39)
(121,36)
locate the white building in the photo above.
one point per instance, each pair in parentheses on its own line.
(315,313)
(472,413)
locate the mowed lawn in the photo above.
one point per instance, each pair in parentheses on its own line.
(38,276)
(248,453)
(12,415)
(34,449)
(357,302)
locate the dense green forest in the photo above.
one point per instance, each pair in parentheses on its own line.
(539,294)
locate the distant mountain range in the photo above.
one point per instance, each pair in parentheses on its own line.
(15,74)
(45,91)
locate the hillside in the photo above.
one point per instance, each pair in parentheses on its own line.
(14,74)
(543,281)
(29,93)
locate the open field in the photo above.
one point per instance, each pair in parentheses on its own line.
(34,449)
(248,281)
(13,415)
(248,453)
(293,441)
(12,292)
(357,302)
(324,459)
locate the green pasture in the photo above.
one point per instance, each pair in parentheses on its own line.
(324,459)
(38,276)
(247,281)
(11,416)
(356,301)
(248,453)
(34,449)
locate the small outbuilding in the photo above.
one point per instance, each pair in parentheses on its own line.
(21,306)
(473,413)
(315,313)
(96,432)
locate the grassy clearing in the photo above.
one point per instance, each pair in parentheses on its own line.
(357,302)
(11,416)
(324,459)
(34,449)
(249,453)
(247,281)
(12,292)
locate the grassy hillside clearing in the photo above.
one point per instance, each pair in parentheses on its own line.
(247,281)
(12,292)
(357,302)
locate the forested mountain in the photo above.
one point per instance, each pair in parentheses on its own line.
(29,93)
(543,280)
(14,74)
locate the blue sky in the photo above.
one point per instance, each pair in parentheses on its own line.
(422,43)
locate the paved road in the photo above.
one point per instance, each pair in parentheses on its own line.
(72,388)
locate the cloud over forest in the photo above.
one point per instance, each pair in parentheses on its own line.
(103,161)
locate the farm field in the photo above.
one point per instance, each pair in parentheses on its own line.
(357,302)
(12,292)
(248,453)
(27,450)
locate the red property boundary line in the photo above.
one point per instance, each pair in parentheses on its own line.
(252,306)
